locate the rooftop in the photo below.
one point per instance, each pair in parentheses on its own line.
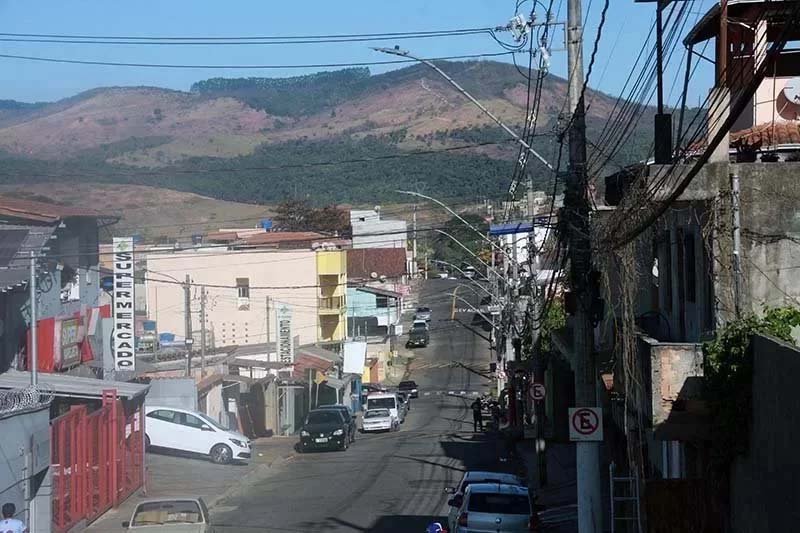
(47,213)
(72,386)
(16,242)
(363,262)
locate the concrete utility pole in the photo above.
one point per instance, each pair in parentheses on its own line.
(34,340)
(187,314)
(269,328)
(202,331)
(414,245)
(576,207)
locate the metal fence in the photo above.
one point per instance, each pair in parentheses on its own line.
(97,460)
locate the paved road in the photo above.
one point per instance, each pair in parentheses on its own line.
(388,482)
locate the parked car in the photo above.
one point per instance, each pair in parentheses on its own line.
(386,400)
(478,476)
(409,387)
(469,272)
(420,323)
(494,507)
(379,420)
(197,433)
(324,429)
(348,415)
(418,336)
(189,515)
(423,313)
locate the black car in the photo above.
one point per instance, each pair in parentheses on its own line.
(348,415)
(410,387)
(324,429)
(418,336)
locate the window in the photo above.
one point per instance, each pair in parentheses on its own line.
(191,421)
(665,271)
(163,414)
(691,268)
(498,503)
(381,302)
(243,293)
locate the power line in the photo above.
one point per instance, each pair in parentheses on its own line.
(246,67)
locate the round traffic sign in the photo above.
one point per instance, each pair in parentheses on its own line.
(585,421)
(537,392)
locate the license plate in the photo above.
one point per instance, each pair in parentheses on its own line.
(322,440)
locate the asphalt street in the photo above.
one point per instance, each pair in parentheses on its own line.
(391,482)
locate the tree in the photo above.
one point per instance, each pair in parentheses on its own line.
(446,249)
(299,215)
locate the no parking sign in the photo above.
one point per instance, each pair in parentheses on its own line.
(586,424)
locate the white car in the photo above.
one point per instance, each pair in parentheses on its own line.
(472,477)
(186,515)
(378,420)
(419,323)
(386,400)
(190,431)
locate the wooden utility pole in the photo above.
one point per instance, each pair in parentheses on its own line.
(576,207)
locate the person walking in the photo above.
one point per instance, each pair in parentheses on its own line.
(9,524)
(477,415)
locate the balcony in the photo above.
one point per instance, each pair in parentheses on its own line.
(331,305)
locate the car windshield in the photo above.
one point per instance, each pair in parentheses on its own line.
(323,417)
(423,310)
(498,503)
(377,413)
(408,385)
(418,327)
(211,421)
(167,512)
(388,403)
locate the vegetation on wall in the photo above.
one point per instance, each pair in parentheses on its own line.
(729,376)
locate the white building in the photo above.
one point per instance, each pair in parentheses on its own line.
(370,231)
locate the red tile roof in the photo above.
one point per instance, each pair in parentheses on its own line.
(389,262)
(767,134)
(44,212)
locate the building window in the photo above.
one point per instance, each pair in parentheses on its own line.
(666,270)
(243,293)
(70,285)
(381,302)
(691,268)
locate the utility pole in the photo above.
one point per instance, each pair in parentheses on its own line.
(269,328)
(34,340)
(187,314)
(414,245)
(737,246)
(576,207)
(202,331)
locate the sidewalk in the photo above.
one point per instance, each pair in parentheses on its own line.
(560,495)
(172,476)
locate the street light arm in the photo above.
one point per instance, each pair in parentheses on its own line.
(405,53)
(457,216)
(484,263)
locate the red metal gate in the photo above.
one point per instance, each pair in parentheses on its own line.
(97,460)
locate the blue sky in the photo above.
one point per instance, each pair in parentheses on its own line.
(624,35)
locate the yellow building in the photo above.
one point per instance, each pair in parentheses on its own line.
(332,296)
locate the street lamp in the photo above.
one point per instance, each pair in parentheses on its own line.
(484,263)
(404,53)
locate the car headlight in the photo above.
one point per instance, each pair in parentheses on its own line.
(237,442)
(305,433)
(338,432)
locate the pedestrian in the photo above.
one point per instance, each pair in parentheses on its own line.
(494,409)
(9,524)
(477,415)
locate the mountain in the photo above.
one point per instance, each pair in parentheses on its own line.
(260,139)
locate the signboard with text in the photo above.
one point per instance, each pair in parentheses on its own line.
(122,306)
(585,424)
(285,343)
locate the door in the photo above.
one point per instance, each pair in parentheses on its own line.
(194,437)
(161,428)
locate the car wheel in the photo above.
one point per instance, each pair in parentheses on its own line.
(343,447)
(146,442)
(221,454)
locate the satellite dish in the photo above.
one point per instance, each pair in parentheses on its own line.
(792,91)
(374,275)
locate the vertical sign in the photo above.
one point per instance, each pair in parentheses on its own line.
(285,343)
(124,322)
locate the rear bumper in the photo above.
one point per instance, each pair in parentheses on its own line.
(380,427)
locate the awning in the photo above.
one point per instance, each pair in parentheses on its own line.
(380,292)
(72,386)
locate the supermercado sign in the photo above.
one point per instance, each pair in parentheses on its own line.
(123,301)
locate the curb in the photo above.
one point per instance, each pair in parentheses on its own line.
(248,478)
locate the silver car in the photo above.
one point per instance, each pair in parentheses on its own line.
(178,515)
(494,507)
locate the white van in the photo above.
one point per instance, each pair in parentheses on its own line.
(194,432)
(386,400)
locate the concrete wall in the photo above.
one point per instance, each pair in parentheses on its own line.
(371,232)
(230,324)
(764,495)
(17,430)
(173,392)
(671,367)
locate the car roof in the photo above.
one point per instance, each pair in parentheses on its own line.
(423,308)
(333,406)
(497,488)
(172,499)
(485,474)
(382,394)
